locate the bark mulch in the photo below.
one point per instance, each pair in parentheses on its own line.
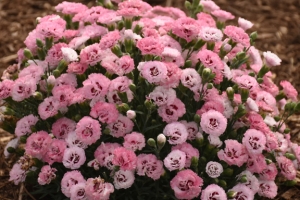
(277,23)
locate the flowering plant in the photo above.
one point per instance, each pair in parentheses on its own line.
(128,101)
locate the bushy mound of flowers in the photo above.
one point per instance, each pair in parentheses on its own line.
(127,101)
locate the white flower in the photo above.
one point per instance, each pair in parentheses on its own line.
(123,179)
(69,55)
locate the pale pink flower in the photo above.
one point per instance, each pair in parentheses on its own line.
(119,85)
(243,192)
(192,129)
(55,151)
(150,46)
(105,112)
(104,154)
(32,71)
(237,34)
(24,125)
(168,41)
(163,96)
(51,28)
(94,164)
(214,104)
(206,20)
(173,75)
(267,189)
(109,40)
(214,140)
(91,54)
(78,192)
(269,173)
(252,181)
(171,113)
(247,82)
(62,127)
(5,88)
(70,8)
(73,140)
(289,90)
(37,144)
(55,55)
(213,169)
(176,132)
(70,179)
(186,28)
(17,174)
(23,88)
(209,6)
(121,126)
(269,86)
(191,79)
(186,184)
(134,141)
(74,157)
(77,68)
(272,141)
(133,8)
(48,108)
(13,143)
(30,40)
(95,85)
(173,56)
(271,59)
(234,153)
(256,163)
(131,114)
(154,71)
(64,95)
(94,31)
(254,141)
(124,158)
(97,188)
(123,179)
(46,175)
(210,34)
(286,167)
(213,191)
(213,122)
(149,165)
(110,18)
(244,24)
(78,42)
(189,151)
(88,130)
(175,160)
(69,55)
(222,15)
(91,15)
(66,79)
(125,65)
(266,101)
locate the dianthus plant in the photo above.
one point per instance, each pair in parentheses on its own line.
(127,101)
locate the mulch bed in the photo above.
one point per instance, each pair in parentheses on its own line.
(277,23)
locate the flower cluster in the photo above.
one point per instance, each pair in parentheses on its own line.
(128,100)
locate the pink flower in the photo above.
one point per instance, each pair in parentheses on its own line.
(91,15)
(124,158)
(206,19)
(104,154)
(213,169)
(23,88)
(186,28)
(243,192)
(289,90)
(33,71)
(171,113)
(267,189)
(271,59)
(78,192)
(252,181)
(189,151)
(105,112)
(269,173)
(133,8)
(186,184)
(287,168)
(121,126)
(91,54)
(119,85)
(123,179)
(173,75)
(97,188)
(254,141)
(5,88)
(125,65)
(173,56)
(55,151)
(110,18)
(17,174)
(247,82)
(168,41)
(163,96)
(175,160)
(88,130)
(237,34)
(51,28)
(222,15)
(109,40)
(134,141)
(74,157)
(191,79)
(210,34)
(150,46)
(37,144)
(46,175)
(55,54)
(148,164)
(48,108)
(234,153)
(256,163)
(213,191)
(209,6)
(66,79)
(213,122)
(64,95)
(192,129)
(176,132)
(214,104)
(131,114)
(95,85)
(77,68)
(70,8)
(24,125)
(70,179)
(73,140)
(244,24)
(62,127)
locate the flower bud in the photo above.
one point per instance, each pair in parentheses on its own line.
(123,107)
(244,94)
(128,23)
(297,107)
(106,131)
(209,86)
(222,183)
(263,71)
(151,142)
(290,156)
(123,97)
(149,105)
(56,73)
(51,80)
(253,36)
(230,93)
(287,130)
(128,45)
(137,29)
(243,179)
(188,5)
(187,64)
(7,111)
(120,25)
(77,117)
(117,51)
(268,161)
(200,141)
(240,112)
(197,118)
(27,53)
(260,80)
(132,87)
(206,73)
(161,140)
(289,106)
(227,172)
(227,47)
(290,183)
(231,194)
(131,114)
(23,139)
(38,96)
(280,96)
(277,118)
(203,159)
(11,150)
(39,43)
(252,74)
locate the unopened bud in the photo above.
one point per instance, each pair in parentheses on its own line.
(277,118)
(244,179)
(77,117)
(123,97)
(290,183)
(263,71)
(222,183)
(120,25)
(227,47)
(244,94)
(23,139)
(131,114)
(197,118)
(252,74)
(132,87)
(149,105)
(151,142)
(209,86)
(240,112)
(206,73)
(290,156)
(260,80)
(230,93)
(200,43)
(227,172)
(188,5)
(11,150)
(38,95)
(117,51)
(106,131)
(297,107)
(39,43)
(187,64)
(56,73)
(253,36)
(231,194)
(287,130)
(51,80)
(27,53)
(161,140)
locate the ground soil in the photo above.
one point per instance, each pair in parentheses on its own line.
(277,23)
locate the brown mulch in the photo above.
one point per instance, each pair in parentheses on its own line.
(277,23)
